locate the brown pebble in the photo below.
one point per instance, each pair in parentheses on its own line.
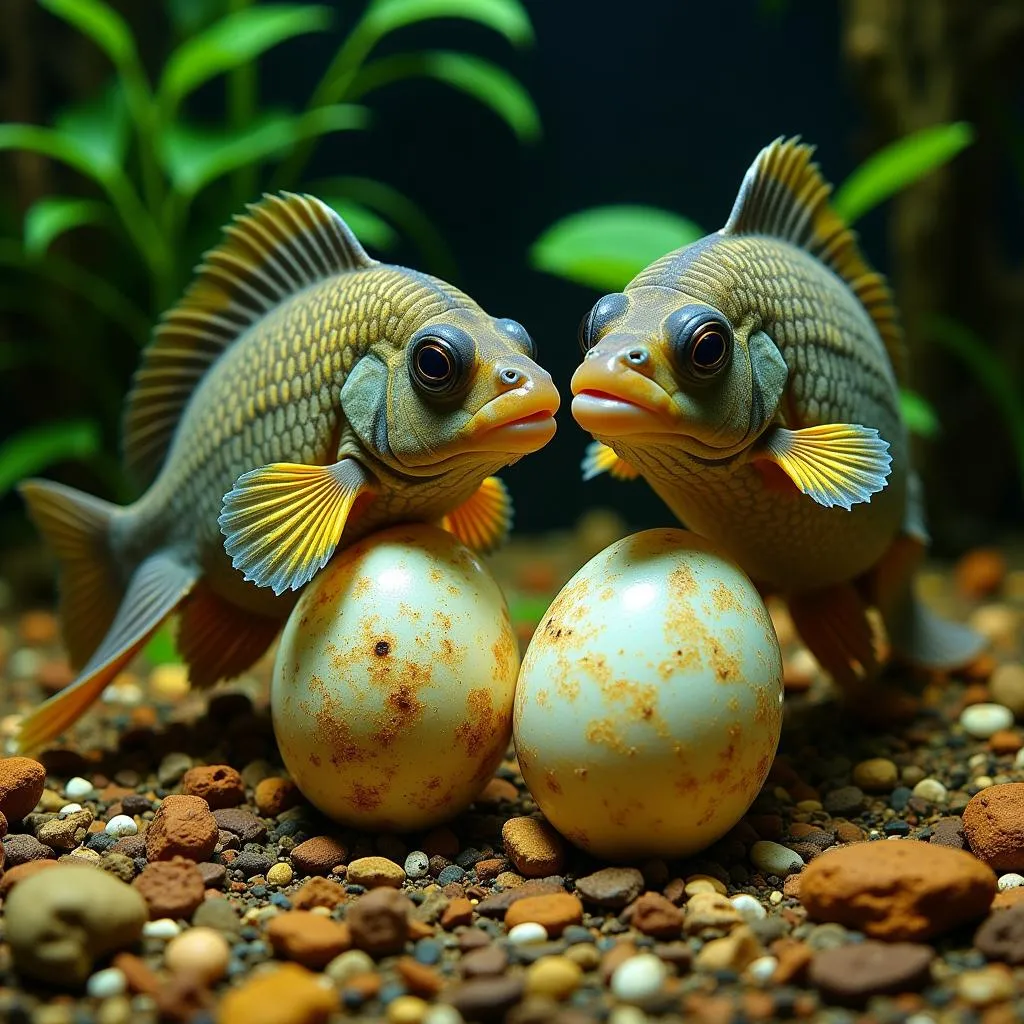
(533,846)
(498,791)
(980,573)
(994,826)
(484,962)
(793,958)
(213,875)
(485,999)
(1005,741)
(171,888)
(949,832)
(489,868)
(219,785)
(555,912)
(497,904)
(310,939)
(419,979)
(288,995)
(848,832)
(318,855)
(239,826)
(1008,898)
(140,977)
(366,986)
(852,974)
(611,887)
(1001,936)
(379,921)
(318,892)
(275,795)
(458,912)
(22,781)
(182,827)
(654,915)
(897,889)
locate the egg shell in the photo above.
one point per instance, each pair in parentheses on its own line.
(394,681)
(649,703)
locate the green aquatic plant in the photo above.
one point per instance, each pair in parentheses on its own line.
(161,183)
(605,246)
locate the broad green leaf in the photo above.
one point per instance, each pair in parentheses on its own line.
(524,610)
(507,17)
(605,247)
(898,165)
(49,218)
(484,81)
(55,144)
(367,226)
(196,156)
(99,126)
(101,23)
(38,448)
(162,649)
(919,414)
(189,16)
(233,41)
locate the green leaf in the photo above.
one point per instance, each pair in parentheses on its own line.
(919,414)
(99,126)
(507,17)
(162,649)
(898,165)
(189,16)
(484,81)
(196,156)
(102,24)
(605,247)
(51,217)
(233,41)
(38,448)
(368,227)
(55,144)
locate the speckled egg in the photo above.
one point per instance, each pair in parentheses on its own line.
(649,703)
(394,681)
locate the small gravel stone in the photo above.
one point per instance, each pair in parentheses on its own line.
(288,995)
(992,984)
(845,802)
(485,999)
(121,825)
(527,933)
(22,781)
(556,977)
(774,858)
(318,892)
(749,907)
(310,939)
(611,887)
(379,921)
(993,824)
(318,855)
(69,809)
(982,720)
(106,984)
(182,827)
(853,973)
(657,916)
(171,888)
(217,914)
(274,795)
(555,912)
(349,965)
(22,849)
(163,928)
(1001,935)
(373,872)
(1007,687)
(877,775)
(709,911)
(77,788)
(417,865)
(762,970)
(639,979)
(214,875)
(280,874)
(241,823)
(201,952)
(1011,880)
(931,790)
(66,833)
(219,785)
(533,846)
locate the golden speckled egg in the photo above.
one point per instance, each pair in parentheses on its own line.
(394,681)
(649,703)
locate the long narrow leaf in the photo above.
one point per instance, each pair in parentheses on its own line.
(898,165)
(372,230)
(54,144)
(606,246)
(486,82)
(38,448)
(99,126)
(919,414)
(101,23)
(233,41)
(189,16)
(194,157)
(51,217)
(507,17)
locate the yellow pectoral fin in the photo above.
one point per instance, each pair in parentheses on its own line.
(834,464)
(282,522)
(599,458)
(483,521)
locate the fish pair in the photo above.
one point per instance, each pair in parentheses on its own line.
(302,395)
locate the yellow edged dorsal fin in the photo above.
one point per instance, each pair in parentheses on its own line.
(599,458)
(282,522)
(834,464)
(285,243)
(784,195)
(484,520)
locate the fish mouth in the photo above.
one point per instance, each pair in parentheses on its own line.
(518,422)
(615,404)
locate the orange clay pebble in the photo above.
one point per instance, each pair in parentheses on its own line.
(202,952)
(1005,741)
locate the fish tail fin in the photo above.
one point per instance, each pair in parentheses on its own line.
(157,587)
(77,528)
(923,638)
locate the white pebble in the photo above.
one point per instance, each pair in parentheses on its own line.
(639,978)
(982,720)
(775,897)
(442,1013)
(628,1015)
(349,965)
(762,969)
(1011,880)
(750,908)
(931,790)
(77,788)
(121,825)
(774,858)
(161,928)
(1018,760)
(24,663)
(526,933)
(417,864)
(107,983)
(69,809)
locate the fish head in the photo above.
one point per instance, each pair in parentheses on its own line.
(667,368)
(462,387)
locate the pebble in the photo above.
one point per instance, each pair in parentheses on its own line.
(982,720)
(533,846)
(851,974)
(66,833)
(1011,880)
(1006,685)
(274,795)
(202,952)
(657,916)
(992,984)
(182,827)
(318,892)
(106,984)
(69,809)
(77,788)
(308,938)
(1001,935)
(373,872)
(417,865)
(288,995)
(931,790)
(58,922)
(555,912)
(238,822)
(280,874)
(22,781)
(611,887)
(442,1013)
(709,911)
(554,976)
(318,855)
(219,915)
(485,998)
(897,889)
(219,785)
(762,969)
(407,1010)
(162,928)
(877,775)
(121,825)
(774,858)
(993,823)
(749,907)
(171,888)
(639,979)
(733,952)
(380,921)
(349,965)
(527,933)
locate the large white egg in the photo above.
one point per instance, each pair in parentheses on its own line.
(649,703)
(394,681)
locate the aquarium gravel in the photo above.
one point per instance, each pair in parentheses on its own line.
(878,871)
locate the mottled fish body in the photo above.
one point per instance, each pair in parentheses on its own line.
(300,396)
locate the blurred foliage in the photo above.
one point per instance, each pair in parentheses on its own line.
(605,247)
(146,163)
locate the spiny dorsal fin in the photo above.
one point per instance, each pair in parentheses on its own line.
(285,243)
(784,195)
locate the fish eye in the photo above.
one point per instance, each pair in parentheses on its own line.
(604,312)
(519,334)
(439,358)
(701,340)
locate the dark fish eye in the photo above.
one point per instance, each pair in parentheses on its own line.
(701,340)
(439,359)
(519,334)
(604,312)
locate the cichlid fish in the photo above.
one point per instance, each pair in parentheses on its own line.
(300,396)
(752,378)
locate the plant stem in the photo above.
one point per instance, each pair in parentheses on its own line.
(242,90)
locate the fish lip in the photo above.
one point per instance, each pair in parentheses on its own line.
(614,415)
(526,426)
